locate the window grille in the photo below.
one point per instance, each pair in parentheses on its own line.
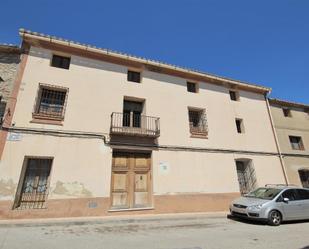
(51,102)
(34,189)
(304,177)
(198,121)
(246,176)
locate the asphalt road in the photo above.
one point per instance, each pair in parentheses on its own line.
(176,232)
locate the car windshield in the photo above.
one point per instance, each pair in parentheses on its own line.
(264,193)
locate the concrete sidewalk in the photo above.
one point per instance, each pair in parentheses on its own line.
(109,219)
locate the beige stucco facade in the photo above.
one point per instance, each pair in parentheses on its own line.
(297,124)
(188,174)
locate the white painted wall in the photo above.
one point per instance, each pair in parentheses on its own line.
(96,89)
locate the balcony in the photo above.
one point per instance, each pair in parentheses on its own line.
(134,124)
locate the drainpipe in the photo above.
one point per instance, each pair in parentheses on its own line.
(276,141)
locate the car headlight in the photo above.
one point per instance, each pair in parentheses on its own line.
(255,207)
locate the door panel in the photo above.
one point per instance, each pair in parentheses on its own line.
(120,189)
(131,180)
(304,198)
(120,199)
(141,195)
(141,182)
(293,209)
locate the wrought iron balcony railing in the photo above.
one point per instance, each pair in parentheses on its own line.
(134,124)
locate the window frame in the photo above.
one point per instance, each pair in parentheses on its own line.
(236,94)
(296,196)
(306,172)
(241,129)
(300,143)
(196,133)
(36,115)
(196,86)
(18,193)
(130,70)
(63,57)
(287,112)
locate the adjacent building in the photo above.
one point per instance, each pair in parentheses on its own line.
(96,132)
(291,122)
(9,60)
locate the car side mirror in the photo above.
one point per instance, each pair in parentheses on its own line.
(286,200)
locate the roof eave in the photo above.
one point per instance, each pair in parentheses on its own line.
(26,35)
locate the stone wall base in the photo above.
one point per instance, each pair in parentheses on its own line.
(83,207)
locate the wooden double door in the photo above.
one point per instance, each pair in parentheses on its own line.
(131,180)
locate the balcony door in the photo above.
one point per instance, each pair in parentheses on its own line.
(132,111)
(131,180)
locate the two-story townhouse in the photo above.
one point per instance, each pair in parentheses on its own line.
(97,132)
(291,122)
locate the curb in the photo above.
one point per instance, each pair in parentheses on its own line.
(109,219)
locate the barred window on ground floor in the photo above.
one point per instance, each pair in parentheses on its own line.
(34,182)
(304,177)
(246,175)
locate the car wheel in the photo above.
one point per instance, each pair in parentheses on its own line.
(274,218)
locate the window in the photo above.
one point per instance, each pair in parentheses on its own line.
(132,113)
(33,187)
(303,194)
(61,61)
(192,87)
(131,180)
(51,102)
(304,177)
(287,112)
(296,143)
(291,194)
(234,95)
(240,125)
(134,76)
(246,175)
(198,122)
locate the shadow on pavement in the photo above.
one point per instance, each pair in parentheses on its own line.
(246,221)
(263,223)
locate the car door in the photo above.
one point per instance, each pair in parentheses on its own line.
(292,209)
(304,198)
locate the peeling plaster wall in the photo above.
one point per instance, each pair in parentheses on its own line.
(7,189)
(81,167)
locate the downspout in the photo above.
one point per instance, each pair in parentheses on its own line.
(276,141)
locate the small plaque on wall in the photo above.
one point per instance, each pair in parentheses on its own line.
(14,136)
(164,168)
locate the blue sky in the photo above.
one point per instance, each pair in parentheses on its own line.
(264,42)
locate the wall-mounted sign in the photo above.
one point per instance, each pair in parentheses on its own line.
(14,136)
(164,168)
